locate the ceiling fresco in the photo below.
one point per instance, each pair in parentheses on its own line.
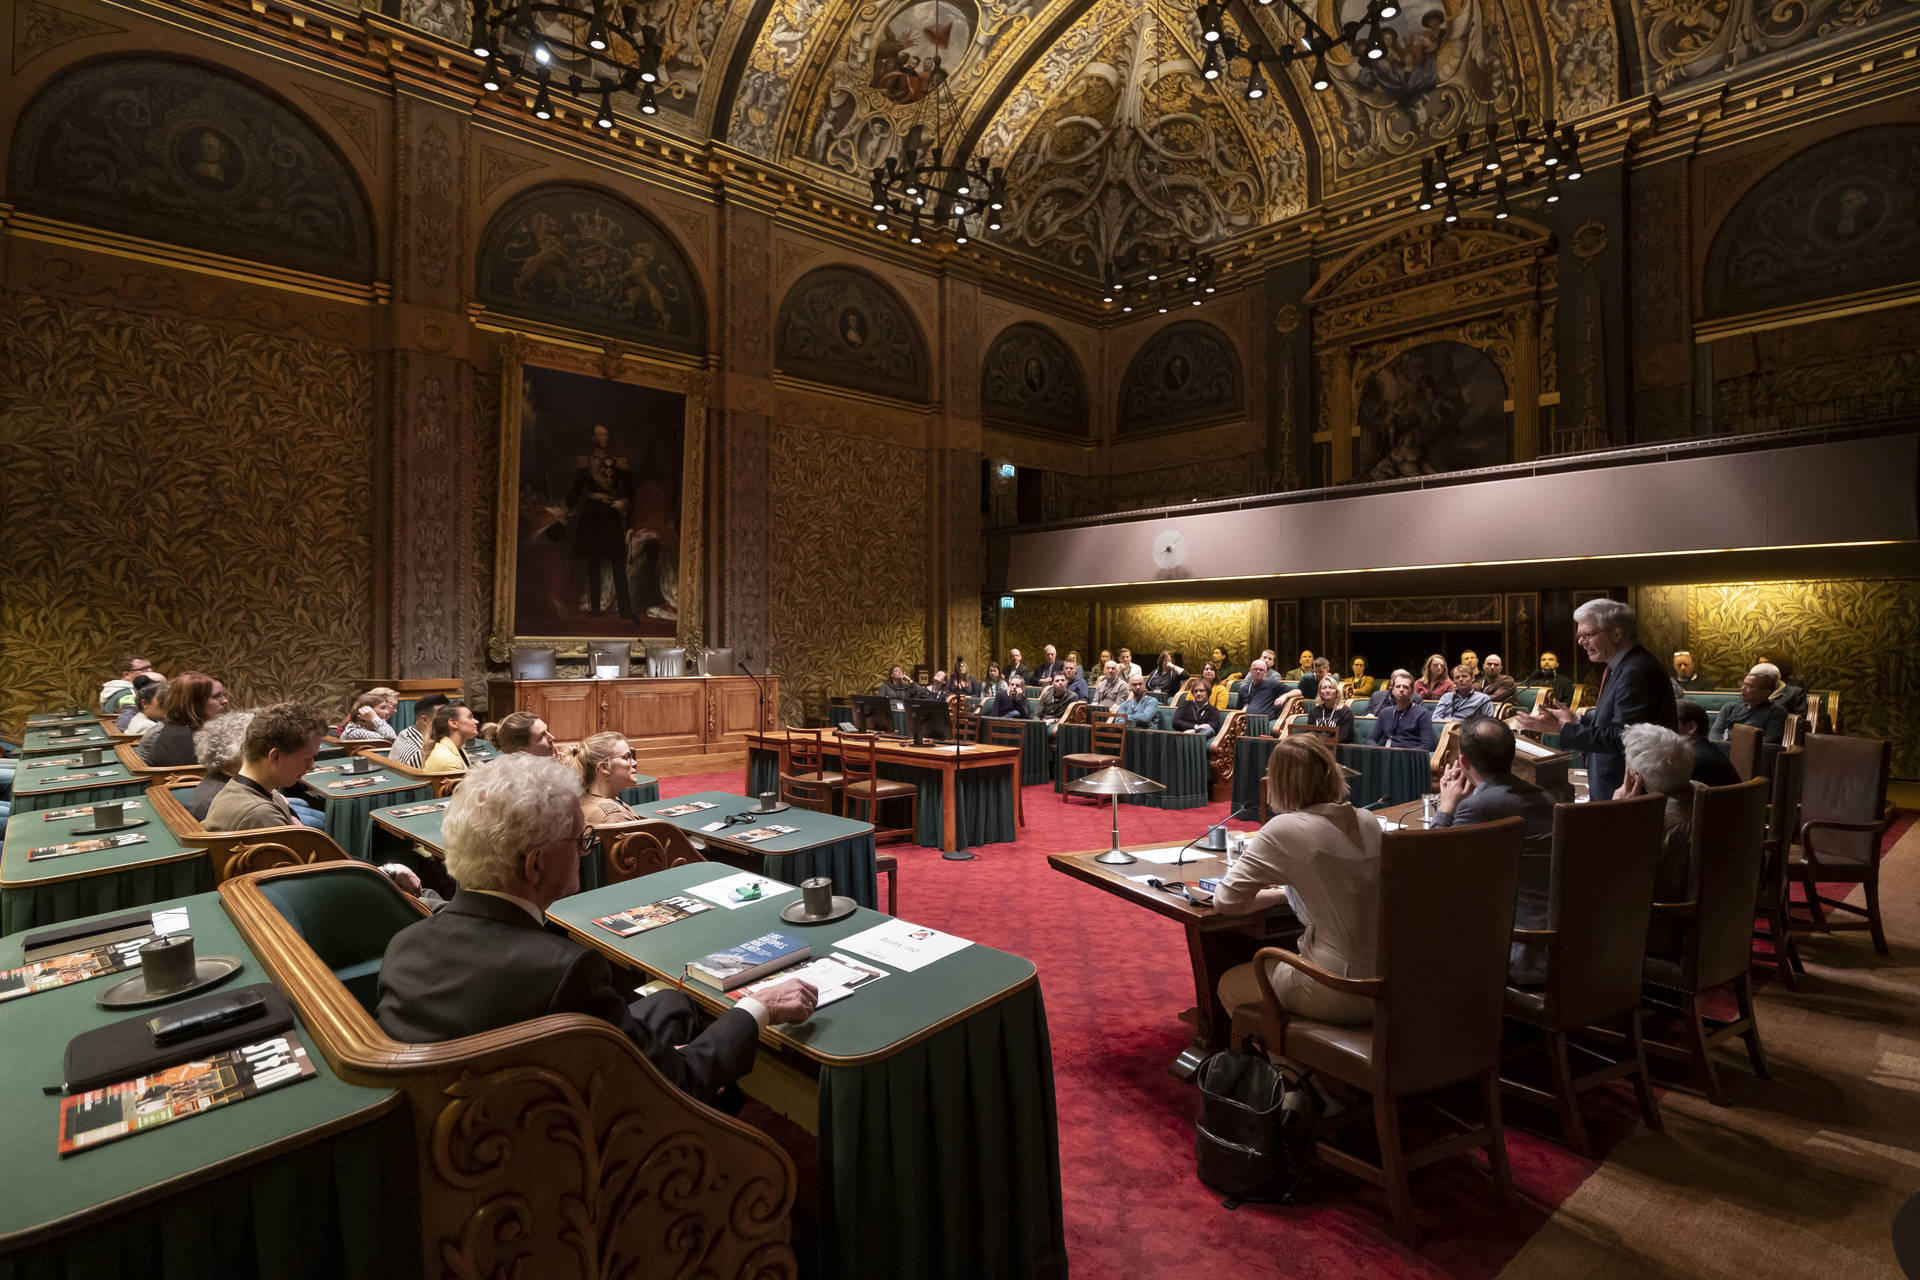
(1110,137)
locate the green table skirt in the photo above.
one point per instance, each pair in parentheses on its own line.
(1397,773)
(983,812)
(348,820)
(647,792)
(1036,757)
(340,1207)
(36,906)
(763,770)
(1178,761)
(944,1159)
(85,795)
(848,863)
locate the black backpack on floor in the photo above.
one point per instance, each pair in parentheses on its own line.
(1254,1138)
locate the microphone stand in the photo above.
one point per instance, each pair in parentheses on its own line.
(762,725)
(1181,859)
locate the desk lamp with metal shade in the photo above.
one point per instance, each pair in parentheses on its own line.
(1116,782)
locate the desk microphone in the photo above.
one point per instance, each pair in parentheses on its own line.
(1215,835)
(1381,803)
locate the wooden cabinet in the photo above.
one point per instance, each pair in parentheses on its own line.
(695,715)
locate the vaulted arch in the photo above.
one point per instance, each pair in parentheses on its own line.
(1031,380)
(843,327)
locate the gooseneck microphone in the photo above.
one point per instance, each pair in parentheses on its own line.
(1209,835)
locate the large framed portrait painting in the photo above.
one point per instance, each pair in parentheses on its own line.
(599,514)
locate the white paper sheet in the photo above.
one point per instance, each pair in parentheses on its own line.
(721,891)
(1172,853)
(903,944)
(834,977)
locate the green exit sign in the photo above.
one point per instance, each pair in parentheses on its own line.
(1006,602)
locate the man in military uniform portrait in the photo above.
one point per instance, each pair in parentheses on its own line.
(597,504)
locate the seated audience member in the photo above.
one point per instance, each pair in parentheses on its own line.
(1710,764)
(278,750)
(453,727)
(897,686)
(963,682)
(1112,688)
(1481,787)
(605,765)
(1550,677)
(1384,694)
(524,731)
(1791,697)
(1223,663)
(514,838)
(1494,680)
(1193,713)
(1684,675)
(1435,681)
(1128,667)
(995,684)
(937,687)
(367,721)
(1015,667)
(1013,703)
(144,714)
(192,700)
(1217,688)
(1317,851)
(1302,671)
(220,747)
(118,693)
(1106,656)
(1048,669)
(1166,679)
(1464,702)
(1660,763)
(1403,722)
(1329,708)
(1139,708)
(1756,707)
(1071,669)
(1054,702)
(1471,661)
(410,744)
(1317,670)
(1262,692)
(1360,684)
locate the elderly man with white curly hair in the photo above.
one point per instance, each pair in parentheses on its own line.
(1660,763)
(514,837)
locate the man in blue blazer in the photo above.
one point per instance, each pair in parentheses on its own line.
(1636,689)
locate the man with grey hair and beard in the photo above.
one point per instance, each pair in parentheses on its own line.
(1635,689)
(514,836)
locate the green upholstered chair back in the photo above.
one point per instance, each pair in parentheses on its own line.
(1523,697)
(347,917)
(1711,700)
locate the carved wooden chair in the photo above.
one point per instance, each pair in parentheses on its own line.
(640,848)
(1108,749)
(160,775)
(1233,727)
(548,1147)
(236,853)
(806,793)
(866,788)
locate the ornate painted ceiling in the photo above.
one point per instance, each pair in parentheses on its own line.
(1112,142)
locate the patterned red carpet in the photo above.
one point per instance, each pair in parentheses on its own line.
(1115,979)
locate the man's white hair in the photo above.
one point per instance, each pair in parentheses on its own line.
(1768,672)
(1609,614)
(504,810)
(1662,758)
(221,742)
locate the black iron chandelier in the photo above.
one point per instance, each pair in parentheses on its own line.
(586,49)
(1160,285)
(1361,35)
(931,190)
(1502,163)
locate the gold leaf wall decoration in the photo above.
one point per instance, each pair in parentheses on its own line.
(1035,622)
(1238,626)
(196,494)
(846,587)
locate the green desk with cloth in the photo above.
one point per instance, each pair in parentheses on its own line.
(840,849)
(1177,761)
(64,786)
(931,1091)
(1398,773)
(51,740)
(967,791)
(59,719)
(34,894)
(310,1181)
(347,800)
(1036,748)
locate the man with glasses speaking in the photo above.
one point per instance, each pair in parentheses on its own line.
(1635,689)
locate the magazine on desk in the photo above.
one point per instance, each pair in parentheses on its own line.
(76,777)
(77,966)
(104,1115)
(834,977)
(83,810)
(85,846)
(772,831)
(682,810)
(356,783)
(415,810)
(635,920)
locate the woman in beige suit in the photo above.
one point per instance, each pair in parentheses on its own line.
(1322,855)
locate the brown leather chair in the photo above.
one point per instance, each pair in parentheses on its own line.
(635,849)
(1446,917)
(806,793)
(1843,815)
(1774,904)
(806,759)
(1599,897)
(1107,749)
(1729,829)
(1743,748)
(865,787)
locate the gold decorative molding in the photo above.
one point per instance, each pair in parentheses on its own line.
(39,27)
(497,167)
(357,120)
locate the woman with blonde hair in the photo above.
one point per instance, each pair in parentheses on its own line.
(1434,682)
(1321,855)
(605,765)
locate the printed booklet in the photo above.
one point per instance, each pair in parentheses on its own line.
(103,1115)
(652,915)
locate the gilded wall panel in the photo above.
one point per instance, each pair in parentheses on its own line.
(1191,630)
(1860,638)
(481,529)
(1687,40)
(846,591)
(1035,622)
(248,555)
(1663,620)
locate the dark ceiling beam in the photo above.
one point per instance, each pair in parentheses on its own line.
(729,87)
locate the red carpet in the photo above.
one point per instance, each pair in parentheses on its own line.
(1115,979)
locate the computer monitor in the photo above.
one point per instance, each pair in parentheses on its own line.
(872,713)
(533,663)
(929,718)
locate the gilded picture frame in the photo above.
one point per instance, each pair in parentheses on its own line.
(616,365)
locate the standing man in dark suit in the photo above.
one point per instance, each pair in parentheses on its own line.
(1481,787)
(1635,689)
(513,834)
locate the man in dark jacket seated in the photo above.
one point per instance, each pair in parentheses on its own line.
(1012,703)
(514,836)
(1710,763)
(1404,722)
(1757,706)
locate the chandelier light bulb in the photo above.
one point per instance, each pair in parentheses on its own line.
(1389,9)
(1452,213)
(648,103)
(1321,80)
(1256,84)
(542,103)
(490,78)
(1553,189)
(880,224)
(542,54)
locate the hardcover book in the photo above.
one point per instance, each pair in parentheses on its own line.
(751,960)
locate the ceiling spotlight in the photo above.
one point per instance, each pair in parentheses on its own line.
(880,223)
(542,54)
(1196,302)
(1553,190)
(1127,307)
(1490,158)
(1500,210)
(542,103)
(1163,311)
(648,103)
(482,46)
(1256,84)
(1375,50)
(960,235)
(1210,23)
(1452,213)
(1212,66)
(597,32)
(1389,9)
(490,78)
(1321,80)
(913,234)
(649,57)
(605,118)
(993,222)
